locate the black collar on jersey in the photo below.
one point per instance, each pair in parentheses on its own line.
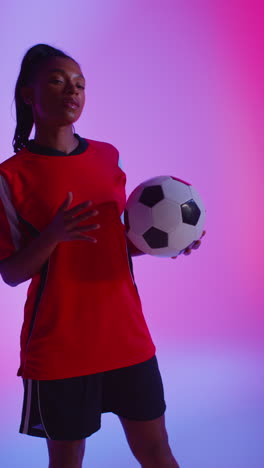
(46,150)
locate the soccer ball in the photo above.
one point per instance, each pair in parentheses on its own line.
(163,216)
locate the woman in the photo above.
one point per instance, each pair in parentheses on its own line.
(85,345)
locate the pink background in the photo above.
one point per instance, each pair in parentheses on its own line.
(177,87)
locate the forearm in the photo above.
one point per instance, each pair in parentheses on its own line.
(28,261)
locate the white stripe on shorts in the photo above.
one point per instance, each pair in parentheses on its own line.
(28,400)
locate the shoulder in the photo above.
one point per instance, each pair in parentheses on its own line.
(11,164)
(104,147)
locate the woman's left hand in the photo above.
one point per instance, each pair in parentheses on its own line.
(195,245)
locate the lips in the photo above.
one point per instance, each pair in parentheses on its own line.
(73,103)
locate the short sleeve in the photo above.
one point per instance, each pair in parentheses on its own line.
(10,235)
(120,164)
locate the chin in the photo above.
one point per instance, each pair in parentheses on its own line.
(64,122)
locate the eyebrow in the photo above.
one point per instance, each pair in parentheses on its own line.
(63,71)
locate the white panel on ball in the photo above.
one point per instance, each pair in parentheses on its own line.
(164,252)
(175,190)
(140,218)
(181,237)
(166,215)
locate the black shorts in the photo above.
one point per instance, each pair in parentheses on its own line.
(70,409)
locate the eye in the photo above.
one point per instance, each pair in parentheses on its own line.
(55,80)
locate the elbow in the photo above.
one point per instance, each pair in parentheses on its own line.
(8,282)
(12,284)
(5,273)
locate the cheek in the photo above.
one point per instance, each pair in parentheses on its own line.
(45,103)
(48,105)
(83,101)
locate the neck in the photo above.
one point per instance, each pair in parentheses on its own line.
(60,138)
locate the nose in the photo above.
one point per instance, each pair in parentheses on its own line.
(71,88)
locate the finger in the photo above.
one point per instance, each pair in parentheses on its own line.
(69,199)
(86,215)
(82,237)
(89,227)
(203,234)
(82,217)
(66,202)
(79,207)
(196,245)
(191,245)
(174,257)
(187,251)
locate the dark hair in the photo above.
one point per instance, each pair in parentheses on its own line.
(31,62)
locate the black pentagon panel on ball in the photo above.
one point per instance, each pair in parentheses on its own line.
(151,195)
(156,238)
(126,220)
(190,212)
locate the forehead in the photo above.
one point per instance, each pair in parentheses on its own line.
(65,65)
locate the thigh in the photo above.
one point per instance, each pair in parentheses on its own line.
(135,392)
(149,443)
(146,437)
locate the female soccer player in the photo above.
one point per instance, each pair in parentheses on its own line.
(85,345)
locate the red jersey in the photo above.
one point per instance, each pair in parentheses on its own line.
(82,314)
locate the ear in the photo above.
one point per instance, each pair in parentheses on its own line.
(26,94)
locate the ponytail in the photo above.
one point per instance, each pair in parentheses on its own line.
(33,58)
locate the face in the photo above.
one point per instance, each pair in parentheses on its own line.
(57,95)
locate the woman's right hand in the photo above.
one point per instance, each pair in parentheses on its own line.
(64,225)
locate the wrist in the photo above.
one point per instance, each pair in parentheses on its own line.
(49,237)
